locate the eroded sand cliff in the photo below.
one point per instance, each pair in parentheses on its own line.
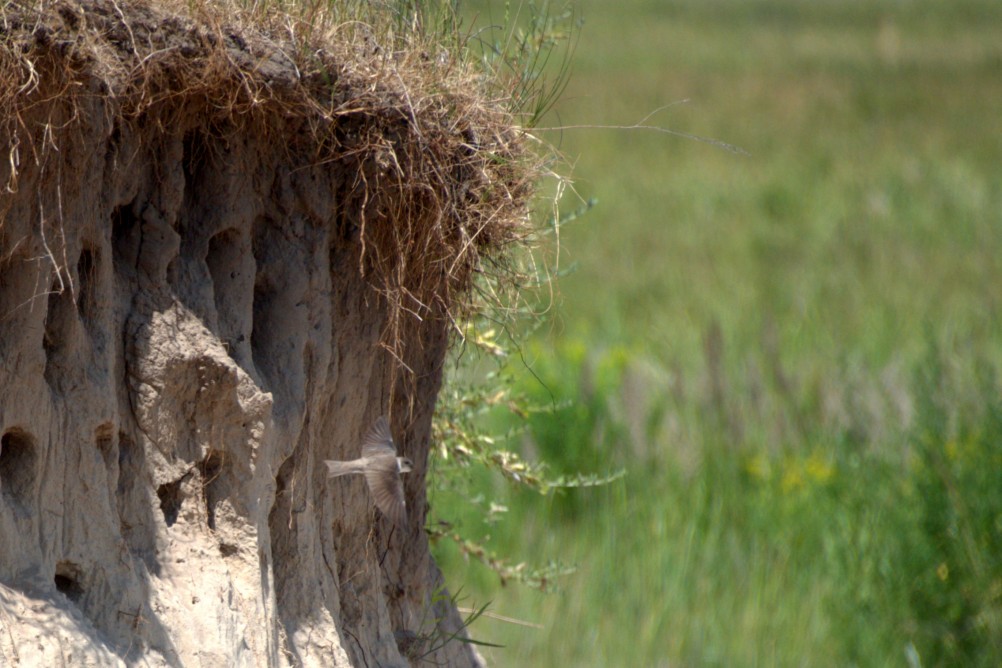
(217,267)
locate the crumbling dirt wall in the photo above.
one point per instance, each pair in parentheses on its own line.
(216,269)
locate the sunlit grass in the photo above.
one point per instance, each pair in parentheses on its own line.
(787,350)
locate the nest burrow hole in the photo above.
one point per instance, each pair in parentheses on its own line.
(104,439)
(68,580)
(171,498)
(18,463)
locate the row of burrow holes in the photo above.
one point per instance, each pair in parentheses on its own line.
(18,472)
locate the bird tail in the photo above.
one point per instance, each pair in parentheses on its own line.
(335,469)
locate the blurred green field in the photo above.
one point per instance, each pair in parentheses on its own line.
(792,352)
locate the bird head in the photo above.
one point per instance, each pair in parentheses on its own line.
(404,464)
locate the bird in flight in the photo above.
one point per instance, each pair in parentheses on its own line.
(382,468)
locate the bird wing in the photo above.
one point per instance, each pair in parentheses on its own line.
(387,488)
(378,440)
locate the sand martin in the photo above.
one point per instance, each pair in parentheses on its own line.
(382,469)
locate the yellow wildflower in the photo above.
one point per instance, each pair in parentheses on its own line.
(818,468)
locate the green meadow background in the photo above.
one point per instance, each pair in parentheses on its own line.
(792,351)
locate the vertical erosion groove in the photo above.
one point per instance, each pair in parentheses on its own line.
(265,306)
(88,271)
(18,277)
(125,236)
(227,260)
(59,330)
(213,488)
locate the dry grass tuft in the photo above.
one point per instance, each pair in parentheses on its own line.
(443,177)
